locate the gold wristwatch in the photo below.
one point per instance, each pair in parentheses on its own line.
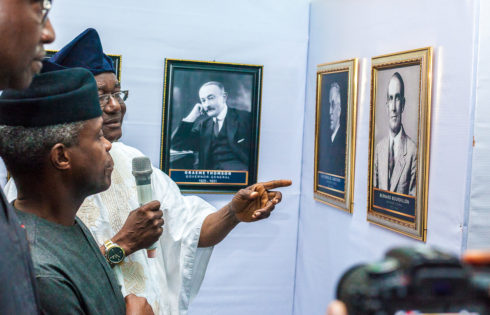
(114,254)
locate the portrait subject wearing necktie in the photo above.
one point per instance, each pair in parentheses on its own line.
(395,156)
(218,133)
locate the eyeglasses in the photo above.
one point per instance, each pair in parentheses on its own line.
(120,97)
(45,7)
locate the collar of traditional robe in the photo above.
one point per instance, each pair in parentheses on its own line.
(53,98)
(85,51)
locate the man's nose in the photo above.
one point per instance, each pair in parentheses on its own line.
(391,106)
(112,105)
(47,34)
(107,144)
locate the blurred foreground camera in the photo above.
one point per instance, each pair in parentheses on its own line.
(422,280)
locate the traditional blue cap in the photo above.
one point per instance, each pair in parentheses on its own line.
(84,51)
(53,98)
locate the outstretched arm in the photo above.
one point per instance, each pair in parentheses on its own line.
(250,204)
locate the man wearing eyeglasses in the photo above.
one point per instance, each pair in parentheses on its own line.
(24,29)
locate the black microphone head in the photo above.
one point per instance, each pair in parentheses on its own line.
(142,166)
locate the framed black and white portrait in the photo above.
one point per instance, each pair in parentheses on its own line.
(399,141)
(335,133)
(210,129)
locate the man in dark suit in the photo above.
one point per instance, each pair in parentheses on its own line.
(219,133)
(25,28)
(332,146)
(395,156)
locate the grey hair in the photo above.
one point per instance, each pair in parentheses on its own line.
(24,149)
(336,86)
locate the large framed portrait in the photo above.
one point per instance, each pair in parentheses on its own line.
(399,141)
(210,129)
(335,133)
(116,59)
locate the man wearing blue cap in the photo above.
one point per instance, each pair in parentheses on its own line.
(192,226)
(24,29)
(58,157)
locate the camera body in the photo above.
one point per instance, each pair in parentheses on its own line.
(422,279)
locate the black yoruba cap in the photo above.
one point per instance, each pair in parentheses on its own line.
(53,98)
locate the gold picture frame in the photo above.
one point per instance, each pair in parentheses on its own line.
(399,141)
(335,133)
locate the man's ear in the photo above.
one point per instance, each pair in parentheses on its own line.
(225,95)
(60,157)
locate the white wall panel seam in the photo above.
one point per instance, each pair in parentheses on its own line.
(302,195)
(473,100)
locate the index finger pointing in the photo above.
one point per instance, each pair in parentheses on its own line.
(276,183)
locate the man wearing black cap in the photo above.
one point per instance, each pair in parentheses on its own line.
(58,157)
(173,277)
(24,28)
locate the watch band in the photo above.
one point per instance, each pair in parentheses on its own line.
(108,245)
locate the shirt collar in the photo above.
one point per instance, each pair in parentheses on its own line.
(335,132)
(396,140)
(222,115)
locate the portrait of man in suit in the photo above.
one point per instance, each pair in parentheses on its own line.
(218,134)
(395,155)
(333,140)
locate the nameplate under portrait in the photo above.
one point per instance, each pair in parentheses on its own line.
(335,133)
(210,128)
(399,141)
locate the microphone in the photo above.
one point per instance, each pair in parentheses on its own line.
(142,174)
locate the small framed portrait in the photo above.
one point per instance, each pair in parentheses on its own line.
(335,133)
(399,141)
(116,59)
(210,129)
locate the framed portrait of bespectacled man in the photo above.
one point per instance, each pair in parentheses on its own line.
(335,133)
(210,129)
(399,141)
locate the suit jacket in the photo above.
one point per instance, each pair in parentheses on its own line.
(332,154)
(198,136)
(403,179)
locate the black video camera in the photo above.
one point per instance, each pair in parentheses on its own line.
(422,280)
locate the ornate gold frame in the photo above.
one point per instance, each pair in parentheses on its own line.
(350,66)
(423,58)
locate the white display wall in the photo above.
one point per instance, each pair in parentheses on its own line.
(479,214)
(330,240)
(252,271)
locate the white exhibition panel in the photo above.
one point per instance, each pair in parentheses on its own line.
(252,271)
(331,240)
(479,214)
(290,263)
